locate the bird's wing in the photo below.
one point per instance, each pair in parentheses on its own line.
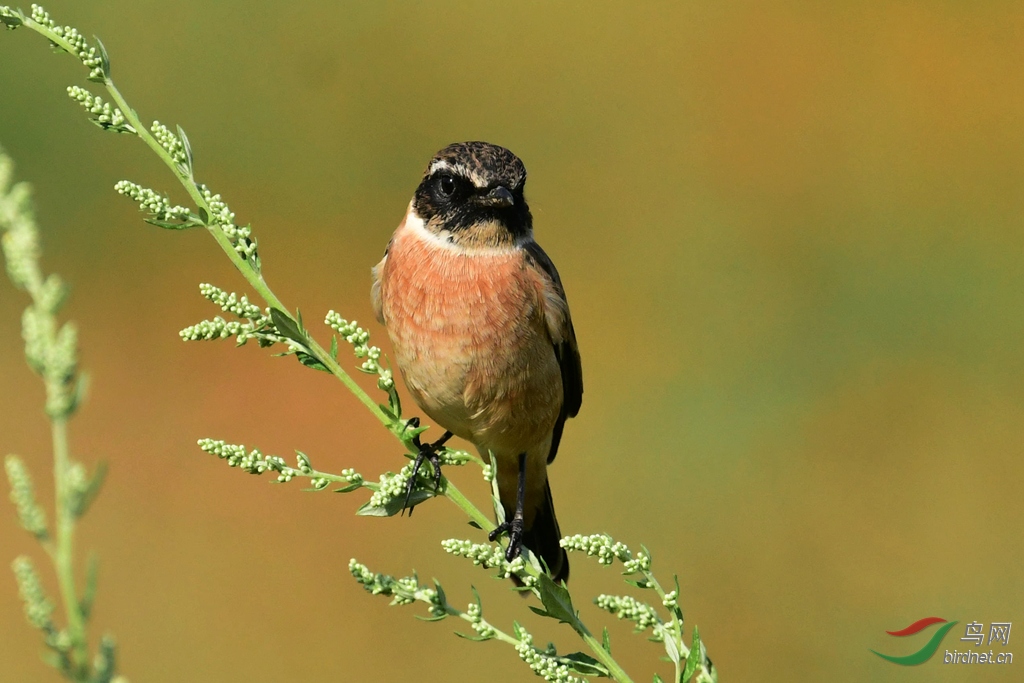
(375,294)
(563,338)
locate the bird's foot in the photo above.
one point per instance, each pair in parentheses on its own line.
(514,528)
(426,451)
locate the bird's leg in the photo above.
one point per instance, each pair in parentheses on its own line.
(514,527)
(427,451)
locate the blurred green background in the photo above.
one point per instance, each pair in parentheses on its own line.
(792,236)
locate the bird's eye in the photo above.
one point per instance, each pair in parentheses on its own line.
(447,185)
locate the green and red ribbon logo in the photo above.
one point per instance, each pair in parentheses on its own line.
(926,652)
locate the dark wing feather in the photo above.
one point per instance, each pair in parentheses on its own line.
(566,350)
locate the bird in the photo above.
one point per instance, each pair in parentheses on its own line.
(481,331)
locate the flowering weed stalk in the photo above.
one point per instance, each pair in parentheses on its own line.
(51,351)
(274,325)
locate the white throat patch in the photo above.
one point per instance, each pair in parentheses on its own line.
(418,227)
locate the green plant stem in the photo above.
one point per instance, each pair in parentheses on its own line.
(603,656)
(498,633)
(472,511)
(63,549)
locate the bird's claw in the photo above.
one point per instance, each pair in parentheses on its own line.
(426,451)
(514,528)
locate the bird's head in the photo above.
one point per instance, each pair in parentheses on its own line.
(472,195)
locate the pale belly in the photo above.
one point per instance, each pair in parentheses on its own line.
(471,343)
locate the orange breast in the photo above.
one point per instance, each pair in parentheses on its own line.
(469,335)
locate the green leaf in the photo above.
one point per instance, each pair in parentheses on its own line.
(334,347)
(348,489)
(396,402)
(10,19)
(439,617)
(606,641)
(499,509)
(395,505)
(558,603)
(287,327)
(204,216)
(642,583)
(92,489)
(167,225)
(585,664)
(693,660)
(310,361)
(181,135)
(105,59)
(410,432)
(671,647)
(475,639)
(81,391)
(91,579)
(442,599)
(677,610)
(657,679)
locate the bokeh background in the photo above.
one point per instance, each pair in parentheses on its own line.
(792,235)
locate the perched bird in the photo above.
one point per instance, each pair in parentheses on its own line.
(481,330)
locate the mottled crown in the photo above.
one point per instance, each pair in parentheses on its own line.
(484,164)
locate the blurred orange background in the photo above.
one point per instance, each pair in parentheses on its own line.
(792,236)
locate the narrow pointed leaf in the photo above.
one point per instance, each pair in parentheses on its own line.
(395,505)
(475,639)
(693,660)
(311,361)
(671,647)
(558,603)
(585,664)
(169,225)
(92,489)
(10,19)
(92,571)
(287,327)
(188,147)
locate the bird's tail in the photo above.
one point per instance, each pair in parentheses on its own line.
(543,536)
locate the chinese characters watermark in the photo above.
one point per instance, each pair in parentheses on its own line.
(974,632)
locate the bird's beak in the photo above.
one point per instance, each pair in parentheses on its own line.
(499,196)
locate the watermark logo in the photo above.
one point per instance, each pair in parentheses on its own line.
(926,652)
(974,632)
(998,633)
